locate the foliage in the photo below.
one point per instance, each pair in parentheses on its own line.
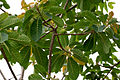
(52,36)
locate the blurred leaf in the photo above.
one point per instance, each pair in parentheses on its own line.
(3,16)
(110,4)
(35,77)
(3,37)
(36,29)
(73,69)
(10,21)
(58,21)
(78,61)
(57,62)
(40,69)
(25,55)
(64,40)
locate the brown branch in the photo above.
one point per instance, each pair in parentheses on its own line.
(45,34)
(43,18)
(3,10)
(61,45)
(22,74)
(5,57)
(66,11)
(72,7)
(111,69)
(76,34)
(50,55)
(2,75)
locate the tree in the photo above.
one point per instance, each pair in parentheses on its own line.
(61,34)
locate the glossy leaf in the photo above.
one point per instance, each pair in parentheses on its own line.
(36,29)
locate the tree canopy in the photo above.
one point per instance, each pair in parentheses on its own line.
(59,36)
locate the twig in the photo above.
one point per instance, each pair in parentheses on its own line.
(3,10)
(59,14)
(50,55)
(71,7)
(22,74)
(2,75)
(76,34)
(61,45)
(5,57)
(43,18)
(45,34)
(111,69)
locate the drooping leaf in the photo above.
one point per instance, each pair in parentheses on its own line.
(40,57)
(90,16)
(40,69)
(103,43)
(56,10)
(3,37)
(10,21)
(36,29)
(58,21)
(21,38)
(79,55)
(73,69)
(64,40)
(3,16)
(25,55)
(35,77)
(57,62)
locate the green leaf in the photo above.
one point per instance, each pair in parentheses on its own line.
(81,24)
(10,21)
(56,10)
(58,21)
(3,37)
(90,43)
(73,69)
(90,16)
(79,55)
(35,77)
(98,28)
(27,17)
(21,38)
(25,55)
(57,62)
(40,57)
(40,69)
(36,29)
(113,20)
(5,4)
(3,16)
(110,4)
(103,43)
(11,53)
(64,40)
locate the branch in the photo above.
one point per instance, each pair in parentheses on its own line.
(72,7)
(59,14)
(5,57)
(76,34)
(4,11)
(2,75)
(111,69)
(45,34)
(50,55)
(43,18)
(22,74)
(61,45)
